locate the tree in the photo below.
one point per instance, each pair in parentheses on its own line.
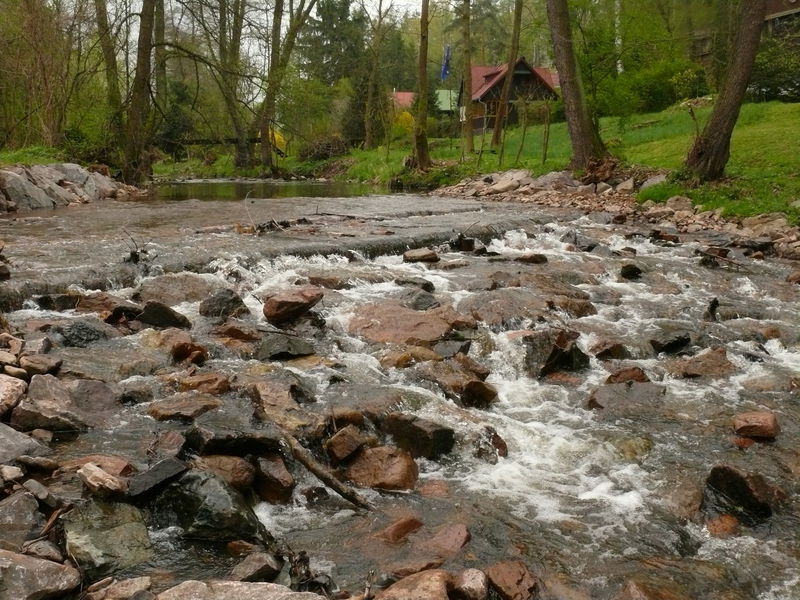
(583,134)
(378,33)
(137,161)
(505,93)
(466,40)
(711,150)
(421,123)
(113,94)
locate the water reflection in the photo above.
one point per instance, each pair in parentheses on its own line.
(236,190)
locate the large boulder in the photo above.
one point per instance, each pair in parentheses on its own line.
(206,507)
(11,392)
(512,580)
(72,406)
(22,193)
(19,520)
(431,584)
(391,323)
(627,399)
(222,304)
(505,306)
(14,444)
(421,437)
(712,363)
(27,578)
(233,590)
(224,439)
(158,314)
(551,350)
(383,467)
(175,288)
(287,305)
(747,496)
(277,398)
(105,537)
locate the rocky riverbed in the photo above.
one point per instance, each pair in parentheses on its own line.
(577,406)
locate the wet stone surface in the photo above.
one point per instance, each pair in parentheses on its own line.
(552,446)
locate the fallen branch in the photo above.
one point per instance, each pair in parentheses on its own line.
(323,473)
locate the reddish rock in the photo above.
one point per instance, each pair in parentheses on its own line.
(574,307)
(344,443)
(39,364)
(420,255)
(414,565)
(640,590)
(609,350)
(747,496)
(111,464)
(627,375)
(711,363)
(428,585)
(234,470)
(276,398)
(448,540)
(743,443)
(11,392)
(181,347)
(207,383)
(550,350)
(274,483)
(757,424)
(391,323)
(398,530)
(472,366)
(184,407)
(289,304)
(101,483)
(723,526)
(240,548)
(512,580)
(434,489)
(258,566)
(383,467)
(793,277)
(166,443)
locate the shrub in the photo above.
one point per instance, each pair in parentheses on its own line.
(323,148)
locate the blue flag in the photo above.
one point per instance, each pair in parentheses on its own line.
(446,63)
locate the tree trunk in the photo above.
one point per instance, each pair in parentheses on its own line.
(160,57)
(270,94)
(113,95)
(586,142)
(505,94)
(466,35)
(372,79)
(711,150)
(421,122)
(137,163)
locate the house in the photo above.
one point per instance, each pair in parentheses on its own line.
(530,83)
(777,9)
(403,100)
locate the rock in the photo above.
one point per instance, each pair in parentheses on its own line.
(44,549)
(220,439)
(344,443)
(756,424)
(14,444)
(181,347)
(771,225)
(81,333)
(160,315)
(160,473)
(286,306)
(630,271)
(648,590)
(627,399)
(626,186)
(417,299)
(273,481)
(127,589)
(28,578)
(42,493)
(670,341)
(223,304)
(723,526)
(793,277)
(183,407)
(420,437)
(578,240)
(471,584)
(551,350)
(384,468)
(176,288)
(512,580)
(106,537)
(40,364)
(73,406)
(711,363)
(234,470)
(20,520)
(608,350)
(114,465)
(22,192)
(389,322)
(258,566)
(427,585)
(628,375)
(413,566)
(282,346)
(166,444)
(9,473)
(397,531)
(11,392)
(99,482)
(677,203)
(419,282)
(651,181)
(448,540)
(105,303)
(420,255)
(747,496)
(206,383)
(532,259)
(277,399)
(233,590)
(16,372)
(206,507)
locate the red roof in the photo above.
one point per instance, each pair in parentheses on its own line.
(485,78)
(403,99)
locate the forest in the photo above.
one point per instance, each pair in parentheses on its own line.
(135,84)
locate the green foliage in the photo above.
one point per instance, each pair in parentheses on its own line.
(776,73)
(32,155)
(176,124)
(323,148)
(661,192)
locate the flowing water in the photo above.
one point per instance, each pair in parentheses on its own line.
(586,501)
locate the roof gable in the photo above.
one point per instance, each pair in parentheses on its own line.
(485,78)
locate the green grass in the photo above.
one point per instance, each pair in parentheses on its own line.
(32,155)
